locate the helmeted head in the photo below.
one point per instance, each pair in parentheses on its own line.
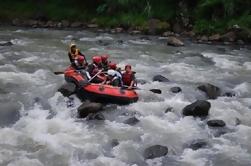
(73,47)
(112,66)
(111,73)
(104,58)
(128,68)
(97,60)
(81,60)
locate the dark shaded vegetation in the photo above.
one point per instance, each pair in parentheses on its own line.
(202,16)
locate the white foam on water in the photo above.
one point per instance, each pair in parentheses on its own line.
(21,42)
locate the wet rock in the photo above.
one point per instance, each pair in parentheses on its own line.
(173,41)
(131,121)
(204,38)
(198,144)
(9,113)
(87,108)
(92,26)
(120,41)
(168,33)
(119,30)
(76,24)
(67,89)
(17,22)
(158,91)
(6,43)
(102,43)
(169,109)
(141,81)
(96,116)
(216,123)
(211,91)
(135,32)
(65,23)
(176,89)
(199,108)
(160,78)
(229,94)
(155,151)
(229,37)
(114,142)
(215,37)
(189,33)
(237,121)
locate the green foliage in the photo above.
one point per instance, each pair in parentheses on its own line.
(208,16)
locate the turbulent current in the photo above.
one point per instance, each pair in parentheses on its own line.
(37,128)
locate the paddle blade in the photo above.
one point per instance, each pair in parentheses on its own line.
(58,72)
(158,91)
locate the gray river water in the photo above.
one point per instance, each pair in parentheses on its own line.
(49,133)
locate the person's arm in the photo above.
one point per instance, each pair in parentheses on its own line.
(86,63)
(132,82)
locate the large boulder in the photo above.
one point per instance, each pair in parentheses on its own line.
(211,91)
(215,37)
(173,41)
(155,151)
(160,78)
(199,108)
(229,36)
(87,108)
(9,113)
(216,123)
(67,89)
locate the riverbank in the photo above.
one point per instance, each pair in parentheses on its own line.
(234,35)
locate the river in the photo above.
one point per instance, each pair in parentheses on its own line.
(49,133)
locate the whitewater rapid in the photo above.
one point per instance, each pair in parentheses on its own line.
(48,133)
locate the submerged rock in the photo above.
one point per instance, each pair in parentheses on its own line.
(155,151)
(211,91)
(131,121)
(199,108)
(141,81)
(6,43)
(176,89)
(87,108)
(169,109)
(9,113)
(229,94)
(96,116)
(160,78)
(114,142)
(173,41)
(216,123)
(67,89)
(198,144)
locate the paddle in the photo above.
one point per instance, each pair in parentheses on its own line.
(58,72)
(157,91)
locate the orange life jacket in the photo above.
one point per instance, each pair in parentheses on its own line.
(127,78)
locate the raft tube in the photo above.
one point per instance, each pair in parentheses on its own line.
(99,93)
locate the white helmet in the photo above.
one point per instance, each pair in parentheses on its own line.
(111,72)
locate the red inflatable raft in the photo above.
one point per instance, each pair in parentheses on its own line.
(97,92)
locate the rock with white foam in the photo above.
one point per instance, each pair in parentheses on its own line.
(210,90)
(200,108)
(155,151)
(89,108)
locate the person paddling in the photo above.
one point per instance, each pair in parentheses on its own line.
(105,62)
(114,77)
(74,54)
(94,68)
(128,77)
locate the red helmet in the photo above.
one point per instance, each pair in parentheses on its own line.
(81,59)
(96,59)
(113,66)
(104,57)
(126,66)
